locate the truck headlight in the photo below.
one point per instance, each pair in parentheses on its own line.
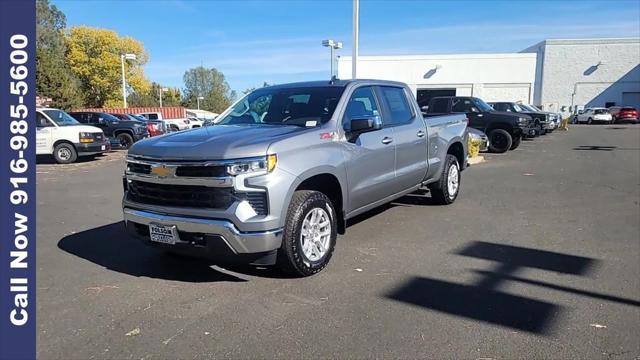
(254,165)
(523,121)
(86,137)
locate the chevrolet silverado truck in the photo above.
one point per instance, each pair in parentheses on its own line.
(505,129)
(276,177)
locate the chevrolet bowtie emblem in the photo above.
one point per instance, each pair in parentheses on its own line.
(160,171)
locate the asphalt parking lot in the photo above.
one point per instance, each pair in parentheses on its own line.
(538,258)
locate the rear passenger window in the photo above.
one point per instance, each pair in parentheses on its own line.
(396,100)
(152,116)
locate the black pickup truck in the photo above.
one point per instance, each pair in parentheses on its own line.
(124,132)
(541,120)
(505,129)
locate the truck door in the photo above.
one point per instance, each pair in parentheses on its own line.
(477,119)
(370,156)
(44,134)
(409,135)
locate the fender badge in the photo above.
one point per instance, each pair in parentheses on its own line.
(326,136)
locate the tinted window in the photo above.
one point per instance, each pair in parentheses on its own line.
(438,106)
(396,100)
(501,107)
(362,104)
(462,105)
(80,117)
(601,111)
(152,116)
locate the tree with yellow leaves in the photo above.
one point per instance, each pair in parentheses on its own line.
(94,57)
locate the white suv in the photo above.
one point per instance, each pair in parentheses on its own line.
(595,114)
(60,135)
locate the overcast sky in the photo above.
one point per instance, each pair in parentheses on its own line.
(279,41)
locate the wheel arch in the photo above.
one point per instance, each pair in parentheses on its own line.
(326,182)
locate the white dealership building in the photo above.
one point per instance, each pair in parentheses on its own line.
(558,75)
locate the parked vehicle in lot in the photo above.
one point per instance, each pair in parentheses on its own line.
(505,129)
(60,135)
(155,127)
(195,122)
(541,122)
(555,118)
(623,114)
(170,124)
(595,114)
(480,137)
(126,132)
(276,178)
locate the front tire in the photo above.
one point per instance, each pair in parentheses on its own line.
(446,190)
(125,140)
(65,153)
(310,234)
(500,141)
(589,121)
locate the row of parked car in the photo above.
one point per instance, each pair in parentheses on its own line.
(85,133)
(611,115)
(505,123)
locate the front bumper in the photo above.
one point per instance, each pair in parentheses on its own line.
(209,238)
(92,148)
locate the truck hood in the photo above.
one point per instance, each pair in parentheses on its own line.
(83,128)
(215,142)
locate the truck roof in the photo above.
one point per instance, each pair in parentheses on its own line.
(336,83)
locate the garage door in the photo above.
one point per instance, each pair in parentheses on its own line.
(505,92)
(631,99)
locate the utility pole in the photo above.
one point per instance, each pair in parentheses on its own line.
(356,26)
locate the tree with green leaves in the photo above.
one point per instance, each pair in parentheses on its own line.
(54,78)
(211,85)
(151,97)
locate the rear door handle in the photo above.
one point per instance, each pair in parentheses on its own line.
(420,133)
(387,140)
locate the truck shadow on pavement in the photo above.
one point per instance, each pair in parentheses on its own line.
(110,246)
(484,301)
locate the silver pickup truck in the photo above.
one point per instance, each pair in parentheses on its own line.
(275,179)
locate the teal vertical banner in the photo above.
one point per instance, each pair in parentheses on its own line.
(17,179)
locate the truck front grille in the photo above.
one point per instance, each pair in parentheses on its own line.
(203,197)
(182,171)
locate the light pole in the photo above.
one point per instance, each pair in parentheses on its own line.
(124,81)
(332,45)
(198,99)
(161,91)
(356,30)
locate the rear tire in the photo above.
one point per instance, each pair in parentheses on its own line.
(65,153)
(305,250)
(516,142)
(499,141)
(445,191)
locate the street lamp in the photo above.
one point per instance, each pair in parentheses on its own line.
(332,45)
(161,90)
(124,81)
(198,99)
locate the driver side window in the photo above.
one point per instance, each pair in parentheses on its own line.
(42,121)
(361,105)
(462,106)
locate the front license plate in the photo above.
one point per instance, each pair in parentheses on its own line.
(166,234)
(104,147)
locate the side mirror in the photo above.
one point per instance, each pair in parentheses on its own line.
(363,125)
(101,121)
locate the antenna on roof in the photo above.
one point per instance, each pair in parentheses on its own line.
(334,78)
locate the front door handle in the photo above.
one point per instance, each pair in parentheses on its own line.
(387,140)
(420,133)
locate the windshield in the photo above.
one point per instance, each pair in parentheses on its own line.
(61,118)
(302,106)
(482,106)
(535,108)
(520,108)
